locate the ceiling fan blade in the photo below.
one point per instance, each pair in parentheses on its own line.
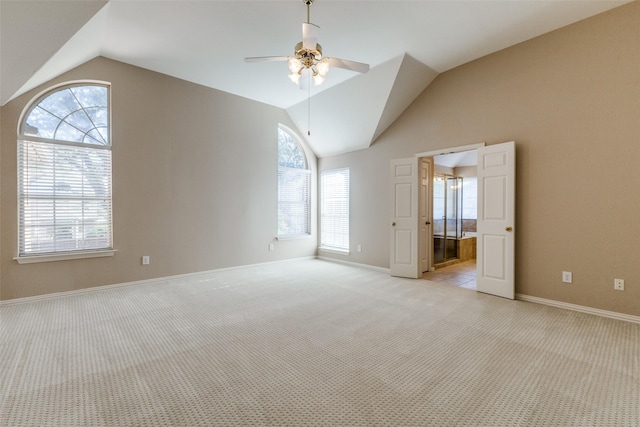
(266,58)
(309,35)
(348,65)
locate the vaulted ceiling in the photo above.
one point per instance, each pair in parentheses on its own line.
(407,44)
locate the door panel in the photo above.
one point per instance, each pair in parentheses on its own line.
(403,203)
(403,247)
(494,266)
(496,218)
(494,198)
(403,230)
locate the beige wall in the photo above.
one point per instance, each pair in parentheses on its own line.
(1,198)
(195,168)
(443,170)
(466,171)
(194,184)
(571,101)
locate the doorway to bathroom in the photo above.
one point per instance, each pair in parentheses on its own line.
(454,208)
(446,219)
(495,172)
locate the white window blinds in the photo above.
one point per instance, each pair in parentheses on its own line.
(64,173)
(334,209)
(294,187)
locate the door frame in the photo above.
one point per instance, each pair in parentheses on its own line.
(458,149)
(425,212)
(432,154)
(498,265)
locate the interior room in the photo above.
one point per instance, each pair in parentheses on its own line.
(455,210)
(196,231)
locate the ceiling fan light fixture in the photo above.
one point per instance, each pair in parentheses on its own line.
(322,67)
(295,77)
(317,79)
(294,65)
(308,59)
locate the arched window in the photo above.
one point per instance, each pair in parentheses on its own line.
(294,186)
(64,172)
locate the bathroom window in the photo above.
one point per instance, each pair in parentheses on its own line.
(64,173)
(470,198)
(469,206)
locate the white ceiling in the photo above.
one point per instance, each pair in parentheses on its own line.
(456,160)
(407,43)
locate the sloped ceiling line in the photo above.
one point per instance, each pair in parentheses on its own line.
(351,115)
(204,42)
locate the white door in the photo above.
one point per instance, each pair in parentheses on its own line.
(425,238)
(496,219)
(403,218)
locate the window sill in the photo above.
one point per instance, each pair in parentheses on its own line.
(64,256)
(294,237)
(334,250)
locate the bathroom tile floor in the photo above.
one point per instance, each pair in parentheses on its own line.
(462,275)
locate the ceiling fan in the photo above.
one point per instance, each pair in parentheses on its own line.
(307,61)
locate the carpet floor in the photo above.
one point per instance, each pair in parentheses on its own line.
(312,343)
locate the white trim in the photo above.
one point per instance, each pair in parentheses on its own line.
(521,297)
(452,150)
(334,250)
(293,237)
(62,294)
(61,85)
(580,308)
(64,256)
(355,264)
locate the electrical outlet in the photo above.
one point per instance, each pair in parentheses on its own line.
(145,260)
(567,277)
(618,284)
(270,246)
(359,248)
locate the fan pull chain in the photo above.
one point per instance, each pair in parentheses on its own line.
(309,108)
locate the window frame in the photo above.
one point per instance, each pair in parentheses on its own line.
(28,258)
(307,171)
(343,249)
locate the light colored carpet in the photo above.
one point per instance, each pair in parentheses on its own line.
(310,342)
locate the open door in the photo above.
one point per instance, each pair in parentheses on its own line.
(425,234)
(403,230)
(496,220)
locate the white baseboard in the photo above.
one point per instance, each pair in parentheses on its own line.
(355,264)
(580,308)
(138,282)
(521,297)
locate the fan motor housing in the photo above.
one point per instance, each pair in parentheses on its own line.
(307,56)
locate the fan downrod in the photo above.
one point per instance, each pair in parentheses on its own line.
(308,3)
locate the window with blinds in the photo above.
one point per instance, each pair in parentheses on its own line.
(334,209)
(64,172)
(294,187)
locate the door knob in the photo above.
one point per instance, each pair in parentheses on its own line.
(508,229)
(393,224)
(427,223)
